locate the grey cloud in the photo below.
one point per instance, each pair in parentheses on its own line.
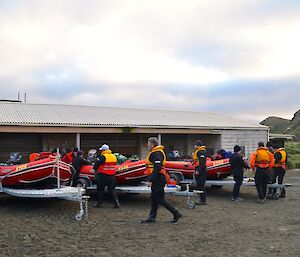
(204,36)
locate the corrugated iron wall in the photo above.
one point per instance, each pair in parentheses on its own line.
(126,144)
(22,143)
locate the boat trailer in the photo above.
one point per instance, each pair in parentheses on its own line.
(76,194)
(144,188)
(230,183)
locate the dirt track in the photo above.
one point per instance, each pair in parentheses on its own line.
(221,228)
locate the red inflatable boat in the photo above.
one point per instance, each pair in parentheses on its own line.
(32,173)
(129,172)
(133,172)
(217,169)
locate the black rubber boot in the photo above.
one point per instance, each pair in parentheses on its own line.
(98,205)
(149,220)
(282,195)
(177,216)
(117,204)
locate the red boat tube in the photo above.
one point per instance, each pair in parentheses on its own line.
(34,172)
(215,169)
(129,172)
(133,172)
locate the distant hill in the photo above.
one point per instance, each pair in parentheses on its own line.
(284,126)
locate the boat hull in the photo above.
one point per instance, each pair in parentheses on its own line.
(133,172)
(215,169)
(32,173)
(128,173)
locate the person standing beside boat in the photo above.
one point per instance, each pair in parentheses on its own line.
(199,160)
(77,162)
(238,165)
(280,157)
(105,170)
(269,145)
(155,163)
(262,160)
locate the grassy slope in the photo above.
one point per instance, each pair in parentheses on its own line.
(283,126)
(277,125)
(293,151)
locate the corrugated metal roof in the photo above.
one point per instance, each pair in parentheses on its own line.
(95,116)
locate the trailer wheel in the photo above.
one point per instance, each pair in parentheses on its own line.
(190,204)
(175,177)
(79,215)
(82,182)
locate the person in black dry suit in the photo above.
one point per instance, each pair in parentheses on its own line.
(199,160)
(155,163)
(238,165)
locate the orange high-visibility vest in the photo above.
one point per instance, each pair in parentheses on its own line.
(282,162)
(262,158)
(109,167)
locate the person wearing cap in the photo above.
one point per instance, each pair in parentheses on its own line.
(155,169)
(261,161)
(77,162)
(280,157)
(199,160)
(238,165)
(105,170)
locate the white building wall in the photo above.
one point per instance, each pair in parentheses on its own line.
(226,140)
(247,138)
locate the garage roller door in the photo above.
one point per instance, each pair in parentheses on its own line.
(123,144)
(22,143)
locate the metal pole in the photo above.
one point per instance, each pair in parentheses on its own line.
(159,139)
(78,140)
(58,171)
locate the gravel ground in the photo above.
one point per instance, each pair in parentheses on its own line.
(221,228)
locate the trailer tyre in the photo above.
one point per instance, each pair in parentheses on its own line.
(175,177)
(82,182)
(190,204)
(79,215)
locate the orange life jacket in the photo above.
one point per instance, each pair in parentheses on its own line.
(33,157)
(150,165)
(262,158)
(109,166)
(282,162)
(195,157)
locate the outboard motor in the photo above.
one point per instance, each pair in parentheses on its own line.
(92,156)
(14,158)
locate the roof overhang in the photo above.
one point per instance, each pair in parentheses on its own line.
(100,130)
(281,136)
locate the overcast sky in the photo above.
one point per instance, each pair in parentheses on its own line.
(240,57)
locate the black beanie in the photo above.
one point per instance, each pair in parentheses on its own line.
(236,148)
(261,144)
(199,143)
